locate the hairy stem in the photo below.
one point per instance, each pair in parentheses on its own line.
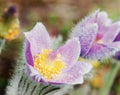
(110,79)
(2,43)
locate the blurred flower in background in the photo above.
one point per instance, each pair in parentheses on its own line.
(97,81)
(9,24)
(10,42)
(96,34)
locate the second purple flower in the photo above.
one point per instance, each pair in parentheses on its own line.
(96,34)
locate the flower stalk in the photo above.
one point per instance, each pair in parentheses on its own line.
(110,79)
(29,87)
(26,86)
(2,43)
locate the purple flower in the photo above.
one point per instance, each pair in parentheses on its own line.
(96,35)
(59,66)
(117,55)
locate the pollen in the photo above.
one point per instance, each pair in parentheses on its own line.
(95,63)
(48,68)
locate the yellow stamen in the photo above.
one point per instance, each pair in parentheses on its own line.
(95,63)
(48,68)
(97,81)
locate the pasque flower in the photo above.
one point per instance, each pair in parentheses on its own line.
(96,34)
(58,66)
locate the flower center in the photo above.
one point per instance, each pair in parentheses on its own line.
(98,38)
(48,68)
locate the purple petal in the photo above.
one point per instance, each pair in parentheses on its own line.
(102,19)
(85,67)
(33,73)
(89,19)
(117,56)
(117,38)
(75,74)
(70,52)
(115,46)
(28,54)
(99,51)
(38,38)
(87,36)
(110,32)
(116,52)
